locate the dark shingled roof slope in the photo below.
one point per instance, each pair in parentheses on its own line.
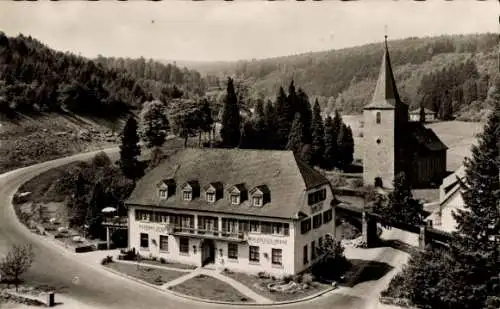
(425,137)
(286,177)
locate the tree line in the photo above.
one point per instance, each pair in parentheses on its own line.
(35,78)
(447,90)
(288,123)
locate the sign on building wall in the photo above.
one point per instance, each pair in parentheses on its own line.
(153,228)
(252,240)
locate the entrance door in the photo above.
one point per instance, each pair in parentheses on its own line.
(207,252)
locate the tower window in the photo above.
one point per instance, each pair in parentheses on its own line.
(378,117)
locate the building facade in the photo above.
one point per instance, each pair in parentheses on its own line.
(416,115)
(393,143)
(245,210)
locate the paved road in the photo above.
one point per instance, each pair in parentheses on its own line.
(97,287)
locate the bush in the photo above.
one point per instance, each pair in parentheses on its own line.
(288,278)
(107,260)
(163,261)
(159,280)
(307,278)
(263,275)
(357,183)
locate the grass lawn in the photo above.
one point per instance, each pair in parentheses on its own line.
(168,264)
(253,281)
(150,275)
(210,288)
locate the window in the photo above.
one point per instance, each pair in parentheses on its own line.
(187,195)
(232,251)
(327,216)
(143,215)
(316,197)
(277,228)
(378,117)
(286,229)
(257,201)
(210,197)
(317,221)
(276,256)
(229,225)
(184,245)
(313,250)
(235,199)
(163,243)
(305,226)
(266,228)
(144,240)
(305,258)
(254,254)
(255,226)
(163,193)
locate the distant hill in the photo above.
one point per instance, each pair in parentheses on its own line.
(345,78)
(35,78)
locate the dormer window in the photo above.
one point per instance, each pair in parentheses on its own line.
(213,191)
(235,199)
(187,195)
(190,190)
(163,193)
(257,201)
(237,194)
(260,195)
(211,197)
(166,188)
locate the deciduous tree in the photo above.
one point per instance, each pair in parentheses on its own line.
(154,123)
(17,261)
(130,151)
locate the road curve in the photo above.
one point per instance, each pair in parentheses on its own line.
(97,287)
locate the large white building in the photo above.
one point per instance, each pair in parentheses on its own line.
(245,210)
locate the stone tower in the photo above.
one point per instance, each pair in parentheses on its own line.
(385,121)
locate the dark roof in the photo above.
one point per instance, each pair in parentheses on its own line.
(263,188)
(286,177)
(240,186)
(386,94)
(217,185)
(425,137)
(168,182)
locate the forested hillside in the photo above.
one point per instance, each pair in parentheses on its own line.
(456,70)
(35,78)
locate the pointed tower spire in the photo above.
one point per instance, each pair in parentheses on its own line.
(386,93)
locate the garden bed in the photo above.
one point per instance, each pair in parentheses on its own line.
(210,288)
(167,263)
(259,285)
(148,274)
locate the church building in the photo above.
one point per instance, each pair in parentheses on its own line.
(393,143)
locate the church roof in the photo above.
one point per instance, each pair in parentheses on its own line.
(386,94)
(425,137)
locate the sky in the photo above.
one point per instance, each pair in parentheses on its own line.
(245,29)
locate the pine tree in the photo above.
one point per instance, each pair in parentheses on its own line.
(94,215)
(341,149)
(130,151)
(400,205)
(230,131)
(347,147)
(476,244)
(259,126)
(318,136)
(154,123)
(330,141)
(270,118)
(293,103)
(295,139)
(283,123)
(304,108)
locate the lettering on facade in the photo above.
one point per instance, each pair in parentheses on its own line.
(153,228)
(266,241)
